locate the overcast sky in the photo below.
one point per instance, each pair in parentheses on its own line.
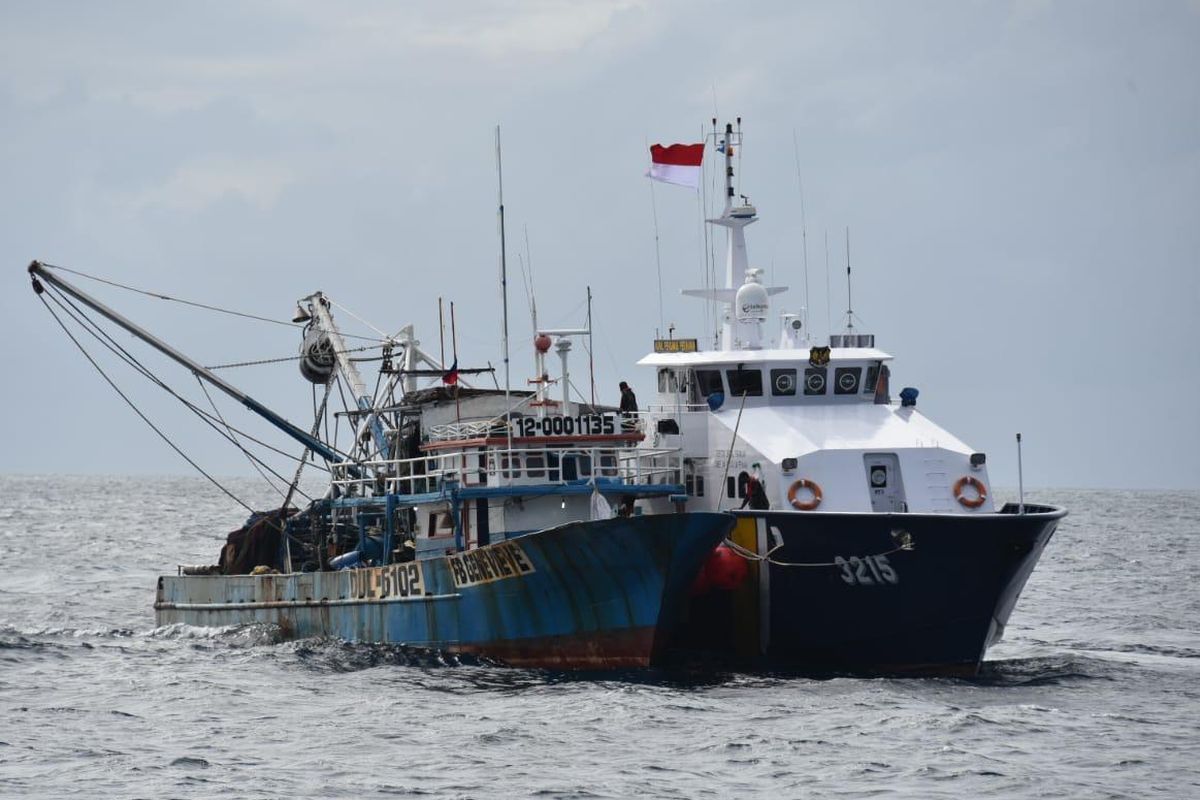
(1021,181)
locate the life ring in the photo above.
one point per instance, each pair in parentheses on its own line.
(804,505)
(974,483)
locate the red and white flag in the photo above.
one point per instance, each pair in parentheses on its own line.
(677,163)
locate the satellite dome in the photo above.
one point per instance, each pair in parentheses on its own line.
(751,302)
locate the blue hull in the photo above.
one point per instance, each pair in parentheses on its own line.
(932,609)
(585,595)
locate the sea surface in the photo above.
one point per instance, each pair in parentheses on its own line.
(1095,691)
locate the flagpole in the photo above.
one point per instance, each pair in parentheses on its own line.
(441,334)
(504,295)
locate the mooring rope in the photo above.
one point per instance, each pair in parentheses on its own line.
(903,539)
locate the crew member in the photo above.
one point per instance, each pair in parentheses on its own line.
(629,406)
(756,495)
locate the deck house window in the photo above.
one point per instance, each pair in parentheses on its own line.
(744,382)
(514,461)
(608,464)
(535,465)
(668,383)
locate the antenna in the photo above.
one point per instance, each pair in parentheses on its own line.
(849,296)
(1020,480)
(828,312)
(739,155)
(527,264)
(503,286)
(803,223)
(591,349)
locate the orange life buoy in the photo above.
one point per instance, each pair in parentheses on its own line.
(974,483)
(804,505)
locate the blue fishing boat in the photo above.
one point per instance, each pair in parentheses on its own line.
(511,525)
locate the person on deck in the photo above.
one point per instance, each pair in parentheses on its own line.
(756,495)
(629,406)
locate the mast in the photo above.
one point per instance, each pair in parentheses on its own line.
(37,270)
(741,326)
(363,399)
(503,289)
(734,219)
(591,349)
(849,294)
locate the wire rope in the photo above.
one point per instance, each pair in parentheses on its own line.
(138,411)
(101,336)
(195,304)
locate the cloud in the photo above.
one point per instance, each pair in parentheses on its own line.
(201,182)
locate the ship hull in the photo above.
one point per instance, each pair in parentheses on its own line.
(843,595)
(585,595)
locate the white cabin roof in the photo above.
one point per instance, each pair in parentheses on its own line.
(791,431)
(707,357)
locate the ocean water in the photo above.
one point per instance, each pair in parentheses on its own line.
(1095,691)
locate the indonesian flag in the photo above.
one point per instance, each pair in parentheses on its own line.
(677,163)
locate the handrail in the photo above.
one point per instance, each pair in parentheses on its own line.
(438,471)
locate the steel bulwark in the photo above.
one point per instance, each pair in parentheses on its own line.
(585,595)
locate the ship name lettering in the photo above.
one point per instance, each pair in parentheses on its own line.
(867,570)
(488,564)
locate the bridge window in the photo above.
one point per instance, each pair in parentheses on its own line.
(845,380)
(783,382)
(744,382)
(709,381)
(668,381)
(814,381)
(868,386)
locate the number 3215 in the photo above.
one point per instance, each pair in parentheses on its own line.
(866,571)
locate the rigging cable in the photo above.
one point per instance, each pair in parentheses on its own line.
(357,317)
(282,359)
(295,485)
(101,336)
(160,296)
(138,411)
(254,460)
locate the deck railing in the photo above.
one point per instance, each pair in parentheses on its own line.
(520,466)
